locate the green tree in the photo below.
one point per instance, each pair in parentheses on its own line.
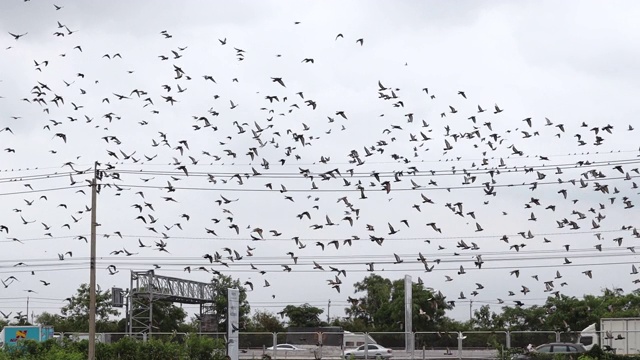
(349,324)
(373,308)
(76,311)
(520,318)
(265,321)
(221,285)
(485,319)
(569,313)
(382,306)
(59,322)
(303,316)
(428,308)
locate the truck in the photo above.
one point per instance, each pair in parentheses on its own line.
(618,335)
(12,335)
(100,337)
(353,340)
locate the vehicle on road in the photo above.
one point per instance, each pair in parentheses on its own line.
(352,340)
(620,336)
(373,351)
(552,349)
(285,347)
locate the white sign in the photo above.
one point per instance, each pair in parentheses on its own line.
(233,322)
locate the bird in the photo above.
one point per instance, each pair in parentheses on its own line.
(278,80)
(17,36)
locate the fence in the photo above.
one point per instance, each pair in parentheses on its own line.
(426,345)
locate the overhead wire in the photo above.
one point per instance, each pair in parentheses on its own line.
(453,159)
(179,267)
(423,238)
(381,189)
(384,174)
(42,190)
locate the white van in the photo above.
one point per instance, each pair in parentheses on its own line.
(353,340)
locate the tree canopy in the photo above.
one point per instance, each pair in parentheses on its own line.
(264,321)
(560,313)
(381,308)
(303,316)
(221,285)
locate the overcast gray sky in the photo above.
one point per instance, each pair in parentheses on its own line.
(571,67)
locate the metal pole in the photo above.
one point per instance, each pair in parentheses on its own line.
(328,311)
(151,282)
(27,310)
(126,312)
(275,342)
(470,309)
(408,313)
(366,346)
(130,303)
(92,266)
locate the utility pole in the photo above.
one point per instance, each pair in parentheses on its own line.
(470,309)
(27,309)
(328,311)
(92,266)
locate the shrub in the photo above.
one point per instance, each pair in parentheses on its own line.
(193,348)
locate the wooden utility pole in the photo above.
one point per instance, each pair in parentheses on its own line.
(92,266)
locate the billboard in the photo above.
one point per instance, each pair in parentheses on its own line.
(14,334)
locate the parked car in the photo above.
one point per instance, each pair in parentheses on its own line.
(552,349)
(373,350)
(285,347)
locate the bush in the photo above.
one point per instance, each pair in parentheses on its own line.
(203,348)
(596,353)
(194,348)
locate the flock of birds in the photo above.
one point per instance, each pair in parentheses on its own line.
(434,189)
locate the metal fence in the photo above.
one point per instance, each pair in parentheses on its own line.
(427,345)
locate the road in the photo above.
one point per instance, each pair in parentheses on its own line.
(308,354)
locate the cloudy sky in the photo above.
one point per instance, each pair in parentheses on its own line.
(553,157)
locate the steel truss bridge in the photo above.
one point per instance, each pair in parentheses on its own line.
(147,287)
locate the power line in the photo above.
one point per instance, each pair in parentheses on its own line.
(42,190)
(296,268)
(44,238)
(424,238)
(46,176)
(490,256)
(381,189)
(444,257)
(443,161)
(386,174)
(178,267)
